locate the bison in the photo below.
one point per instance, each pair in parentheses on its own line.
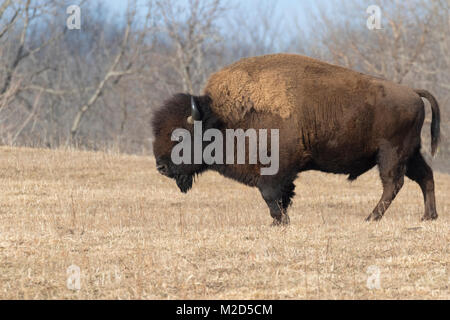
(329,118)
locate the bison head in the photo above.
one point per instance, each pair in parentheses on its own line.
(180,112)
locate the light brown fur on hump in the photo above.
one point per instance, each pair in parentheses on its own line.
(270,84)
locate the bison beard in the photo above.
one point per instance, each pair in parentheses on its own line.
(184,182)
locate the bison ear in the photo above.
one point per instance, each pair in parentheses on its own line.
(195,112)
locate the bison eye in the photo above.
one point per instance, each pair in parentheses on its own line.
(176,138)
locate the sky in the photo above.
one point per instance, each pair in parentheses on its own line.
(298,10)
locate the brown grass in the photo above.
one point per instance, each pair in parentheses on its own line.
(134,235)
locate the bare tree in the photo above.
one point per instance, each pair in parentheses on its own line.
(30,12)
(193,32)
(121,64)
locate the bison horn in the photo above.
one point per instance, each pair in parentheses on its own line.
(195,113)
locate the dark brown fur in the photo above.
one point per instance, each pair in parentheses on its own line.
(337,121)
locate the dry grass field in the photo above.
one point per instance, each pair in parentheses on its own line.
(134,235)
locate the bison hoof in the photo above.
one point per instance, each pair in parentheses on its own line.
(374,217)
(429,217)
(281,221)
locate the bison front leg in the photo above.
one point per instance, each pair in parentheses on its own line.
(278,199)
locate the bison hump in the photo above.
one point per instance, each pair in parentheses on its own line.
(269,84)
(236,93)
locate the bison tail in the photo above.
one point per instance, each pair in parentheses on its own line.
(435,119)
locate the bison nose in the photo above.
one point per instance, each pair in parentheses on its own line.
(162,168)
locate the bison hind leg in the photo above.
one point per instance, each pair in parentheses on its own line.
(419,171)
(392,169)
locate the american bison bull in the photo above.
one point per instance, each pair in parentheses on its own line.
(328,118)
